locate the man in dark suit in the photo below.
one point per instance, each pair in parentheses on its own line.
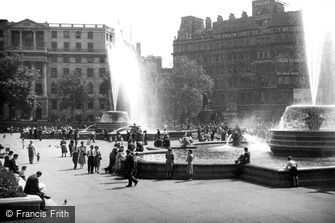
(130,166)
(32,187)
(12,164)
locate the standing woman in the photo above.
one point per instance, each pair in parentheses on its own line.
(71,145)
(118,159)
(169,163)
(63,147)
(82,155)
(31,152)
(97,159)
(75,155)
(189,161)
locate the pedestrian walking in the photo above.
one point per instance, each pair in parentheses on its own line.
(90,159)
(129,167)
(63,147)
(75,155)
(82,155)
(97,159)
(31,152)
(189,161)
(169,156)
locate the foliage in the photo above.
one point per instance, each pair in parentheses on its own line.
(71,91)
(105,86)
(16,83)
(184,88)
(9,186)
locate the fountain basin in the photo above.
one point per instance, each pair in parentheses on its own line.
(305,131)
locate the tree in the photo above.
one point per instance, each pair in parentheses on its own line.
(71,91)
(184,89)
(16,84)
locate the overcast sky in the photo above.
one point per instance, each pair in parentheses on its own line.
(154,23)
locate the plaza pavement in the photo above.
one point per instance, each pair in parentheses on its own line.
(104,198)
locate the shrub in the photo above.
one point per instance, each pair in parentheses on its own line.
(9,186)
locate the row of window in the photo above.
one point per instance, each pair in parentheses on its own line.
(66,46)
(238,42)
(90,71)
(77,59)
(101,104)
(89,88)
(66,34)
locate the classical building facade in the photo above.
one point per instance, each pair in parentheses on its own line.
(256,62)
(57,50)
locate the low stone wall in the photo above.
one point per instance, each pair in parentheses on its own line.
(156,170)
(252,173)
(30,203)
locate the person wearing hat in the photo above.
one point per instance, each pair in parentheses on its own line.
(292,168)
(130,167)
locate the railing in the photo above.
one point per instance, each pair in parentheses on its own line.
(78,50)
(88,26)
(27,48)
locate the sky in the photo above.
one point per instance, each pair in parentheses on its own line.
(153,23)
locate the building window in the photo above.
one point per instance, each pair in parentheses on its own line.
(102,72)
(53,72)
(90,35)
(53,34)
(15,38)
(102,59)
(89,72)
(53,59)
(78,34)
(66,59)
(54,104)
(66,46)
(66,71)
(90,59)
(78,59)
(90,46)
(90,88)
(66,34)
(54,46)
(53,88)
(77,71)
(38,89)
(90,105)
(78,46)
(78,105)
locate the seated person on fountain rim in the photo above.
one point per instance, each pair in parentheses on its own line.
(244,158)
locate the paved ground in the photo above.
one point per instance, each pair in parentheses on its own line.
(104,198)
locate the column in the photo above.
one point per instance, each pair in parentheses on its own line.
(20,40)
(34,40)
(45,92)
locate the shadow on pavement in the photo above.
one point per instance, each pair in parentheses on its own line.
(118,182)
(81,174)
(67,169)
(118,188)
(182,181)
(326,189)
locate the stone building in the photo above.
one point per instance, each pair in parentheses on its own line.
(255,61)
(56,50)
(153,76)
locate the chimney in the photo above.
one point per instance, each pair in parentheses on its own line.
(219,19)
(208,23)
(244,15)
(231,16)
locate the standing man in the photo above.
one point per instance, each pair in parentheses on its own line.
(90,159)
(32,187)
(75,155)
(31,152)
(130,166)
(63,147)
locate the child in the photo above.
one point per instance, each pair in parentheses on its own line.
(22,172)
(38,157)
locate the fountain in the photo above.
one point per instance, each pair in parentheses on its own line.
(305,131)
(309,130)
